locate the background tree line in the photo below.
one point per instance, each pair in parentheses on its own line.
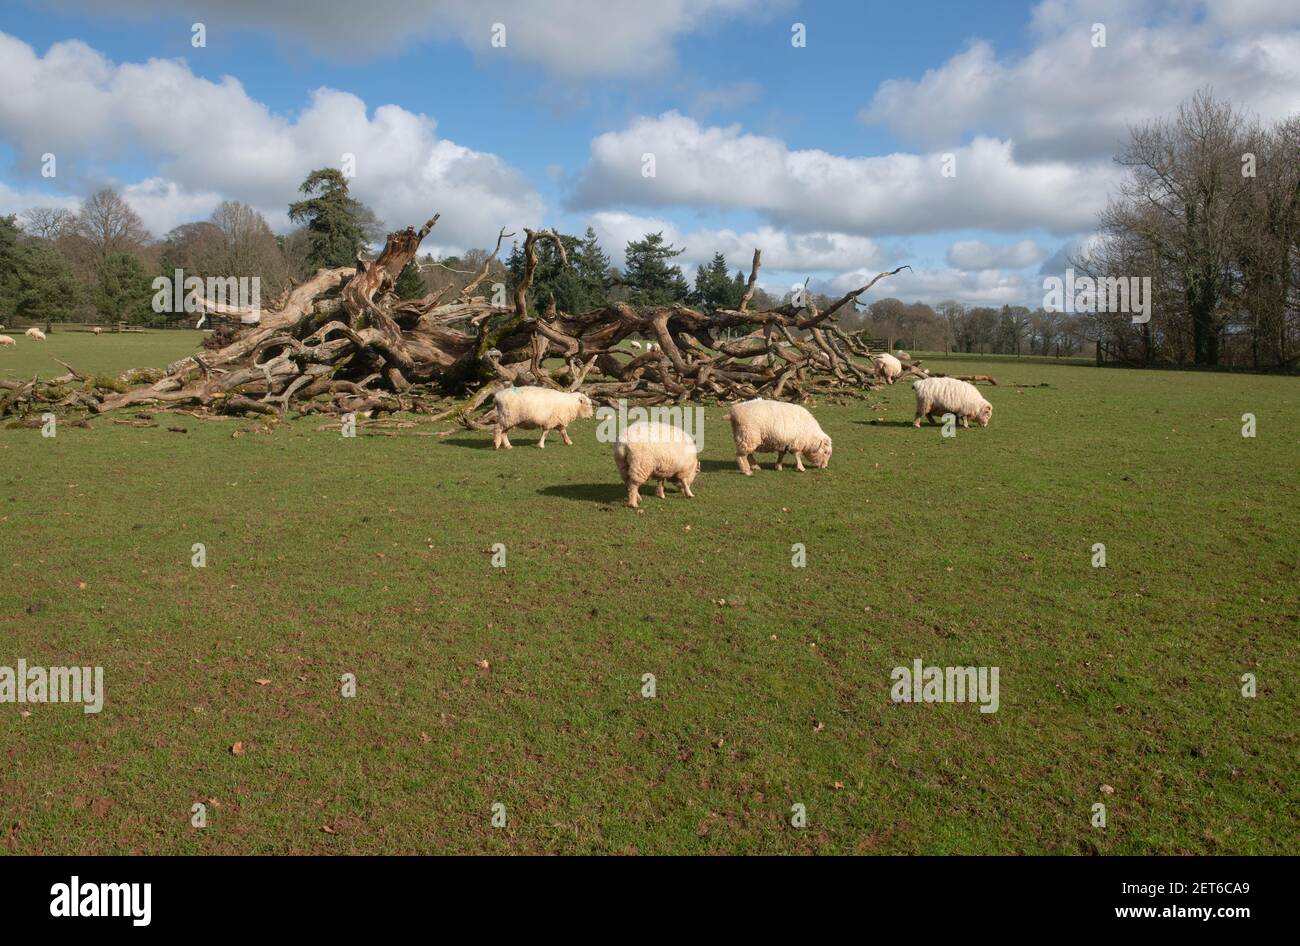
(1210,210)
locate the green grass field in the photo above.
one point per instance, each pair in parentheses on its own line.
(372,556)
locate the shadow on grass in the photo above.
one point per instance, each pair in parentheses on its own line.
(886,423)
(587,492)
(718,465)
(473,443)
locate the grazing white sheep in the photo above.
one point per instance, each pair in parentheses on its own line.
(533,407)
(636,345)
(97,330)
(762,425)
(650,450)
(6,340)
(35,334)
(950,396)
(887,366)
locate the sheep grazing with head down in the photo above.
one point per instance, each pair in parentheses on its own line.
(950,396)
(35,334)
(97,330)
(534,407)
(651,450)
(779,427)
(5,340)
(887,366)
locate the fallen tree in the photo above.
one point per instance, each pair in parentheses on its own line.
(342,342)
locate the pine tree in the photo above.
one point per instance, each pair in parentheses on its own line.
(714,289)
(592,267)
(123,289)
(409,284)
(45,290)
(9,255)
(552,280)
(337,224)
(650,274)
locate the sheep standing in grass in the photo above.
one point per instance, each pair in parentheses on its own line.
(5,340)
(887,366)
(636,345)
(534,407)
(950,396)
(97,330)
(650,450)
(775,426)
(35,334)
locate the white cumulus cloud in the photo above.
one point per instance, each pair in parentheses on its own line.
(211,140)
(812,190)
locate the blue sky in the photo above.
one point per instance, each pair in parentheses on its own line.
(829,155)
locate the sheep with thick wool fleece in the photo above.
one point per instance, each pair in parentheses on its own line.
(651,450)
(533,407)
(6,340)
(35,333)
(779,427)
(887,366)
(950,396)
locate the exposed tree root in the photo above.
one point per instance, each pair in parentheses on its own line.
(341,342)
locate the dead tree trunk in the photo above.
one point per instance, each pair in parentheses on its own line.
(342,342)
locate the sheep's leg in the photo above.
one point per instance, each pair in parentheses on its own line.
(633,493)
(920,412)
(798,462)
(564,432)
(685,487)
(965,422)
(753,464)
(500,439)
(779,458)
(659,490)
(743,464)
(931,417)
(541,441)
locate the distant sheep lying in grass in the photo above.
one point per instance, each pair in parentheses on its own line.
(775,426)
(35,334)
(636,345)
(950,396)
(6,340)
(650,450)
(887,366)
(534,407)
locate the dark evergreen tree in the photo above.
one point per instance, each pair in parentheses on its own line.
(650,273)
(123,290)
(409,283)
(337,224)
(44,287)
